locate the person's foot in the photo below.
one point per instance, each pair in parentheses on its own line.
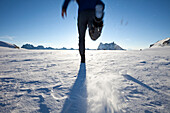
(82,58)
(95,33)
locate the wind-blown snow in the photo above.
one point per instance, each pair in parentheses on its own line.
(110,81)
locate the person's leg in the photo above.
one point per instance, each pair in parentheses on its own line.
(91,17)
(82,26)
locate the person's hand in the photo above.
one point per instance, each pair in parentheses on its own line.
(64,13)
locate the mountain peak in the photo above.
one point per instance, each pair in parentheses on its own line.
(109,46)
(5,44)
(161,43)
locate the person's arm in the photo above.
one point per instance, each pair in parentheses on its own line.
(64,8)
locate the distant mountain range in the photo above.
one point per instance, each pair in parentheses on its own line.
(30,46)
(106,46)
(102,46)
(109,46)
(161,43)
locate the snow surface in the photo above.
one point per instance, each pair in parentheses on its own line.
(54,81)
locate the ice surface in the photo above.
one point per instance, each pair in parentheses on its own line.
(110,81)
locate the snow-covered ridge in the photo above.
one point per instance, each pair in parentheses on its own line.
(5,44)
(161,43)
(109,46)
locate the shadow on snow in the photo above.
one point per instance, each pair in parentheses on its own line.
(77,98)
(139,82)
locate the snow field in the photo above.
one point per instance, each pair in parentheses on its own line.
(110,81)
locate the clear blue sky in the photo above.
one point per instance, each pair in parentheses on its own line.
(132,24)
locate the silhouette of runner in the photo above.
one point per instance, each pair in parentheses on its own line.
(86,16)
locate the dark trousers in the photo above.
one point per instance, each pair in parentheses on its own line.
(85,19)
